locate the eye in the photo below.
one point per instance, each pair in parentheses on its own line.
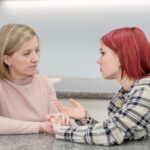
(27,53)
(37,50)
(102,53)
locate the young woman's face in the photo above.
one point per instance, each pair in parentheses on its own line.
(23,63)
(109,63)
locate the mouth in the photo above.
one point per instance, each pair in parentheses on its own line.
(33,67)
(100,69)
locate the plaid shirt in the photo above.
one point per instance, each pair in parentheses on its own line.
(128,119)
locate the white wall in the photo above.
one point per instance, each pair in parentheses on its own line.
(70,29)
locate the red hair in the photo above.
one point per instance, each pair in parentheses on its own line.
(133,50)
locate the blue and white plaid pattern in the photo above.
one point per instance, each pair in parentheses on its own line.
(128,119)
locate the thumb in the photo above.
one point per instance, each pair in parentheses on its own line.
(53,122)
(74,102)
(50,116)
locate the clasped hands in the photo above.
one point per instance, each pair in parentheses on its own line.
(56,120)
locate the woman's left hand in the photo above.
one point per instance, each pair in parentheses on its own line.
(59,118)
(56,125)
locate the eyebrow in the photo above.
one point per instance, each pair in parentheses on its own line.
(100,49)
(30,49)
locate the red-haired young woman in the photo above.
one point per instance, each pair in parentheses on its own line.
(125,54)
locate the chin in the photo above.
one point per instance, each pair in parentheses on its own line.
(108,77)
(32,74)
(105,77)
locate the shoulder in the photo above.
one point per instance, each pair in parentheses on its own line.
(42,79)
(2,83)
(141,87)
(142,83)
(138,94)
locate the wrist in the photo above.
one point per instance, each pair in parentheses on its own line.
(85,116)
(83,121)
(41,128)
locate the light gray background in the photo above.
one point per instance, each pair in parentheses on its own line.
(70,30)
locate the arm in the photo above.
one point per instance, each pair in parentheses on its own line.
(30,123)
(131,122)
(78,113)
(11,126)
(87,120)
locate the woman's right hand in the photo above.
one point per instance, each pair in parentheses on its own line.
(78,112)
(46,127)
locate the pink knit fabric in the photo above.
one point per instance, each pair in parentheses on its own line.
(24,104)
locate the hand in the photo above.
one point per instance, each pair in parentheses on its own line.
(56,125)
(57,122)
(78,112)
(46,127)
(63,118)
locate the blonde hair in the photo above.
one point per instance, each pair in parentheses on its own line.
(13,37)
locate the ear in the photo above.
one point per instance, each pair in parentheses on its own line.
(7,60)
(119,64)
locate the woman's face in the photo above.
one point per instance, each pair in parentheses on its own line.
(109,63)
(23,63)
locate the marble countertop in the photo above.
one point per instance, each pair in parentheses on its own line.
(86,88)
(48,142)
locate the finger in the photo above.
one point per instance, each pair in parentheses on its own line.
(57,117)
(52,115)
(59,121)
(53,122)
(62,120)
(49,117)
(75,103)
(60,107)
(67,121)
(55,126)
(49,123)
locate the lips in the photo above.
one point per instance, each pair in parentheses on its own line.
(100,69)
(33,67)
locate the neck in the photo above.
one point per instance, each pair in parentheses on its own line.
(126,82)
(23,81)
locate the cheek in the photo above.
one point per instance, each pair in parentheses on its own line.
(104,61)
(108,65)
(19,63)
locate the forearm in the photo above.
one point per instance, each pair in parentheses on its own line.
(86,121)
(90,135)
(11,126)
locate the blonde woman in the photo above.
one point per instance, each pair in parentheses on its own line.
(26,98)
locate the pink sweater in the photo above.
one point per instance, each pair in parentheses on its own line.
(24,104)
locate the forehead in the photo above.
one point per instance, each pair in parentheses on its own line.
(103,47)
(30,45)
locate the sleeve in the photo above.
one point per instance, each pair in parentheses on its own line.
(52,98)
(86,121)
(11,126)
(130,122)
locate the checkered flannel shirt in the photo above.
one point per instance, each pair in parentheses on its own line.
(128,119)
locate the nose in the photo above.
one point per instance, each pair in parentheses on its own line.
(35,57)
(98,61)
